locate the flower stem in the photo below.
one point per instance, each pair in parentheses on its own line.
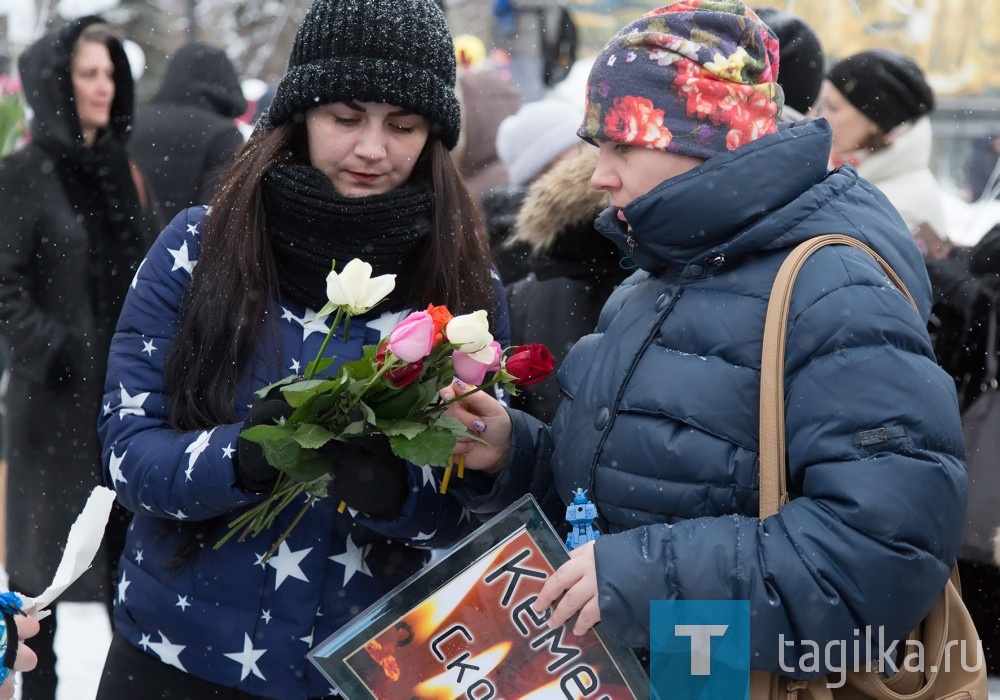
(251,518)
(286,498)
(288,530)
(326,341)
(487,385)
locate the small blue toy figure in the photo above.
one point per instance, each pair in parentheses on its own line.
(581,513)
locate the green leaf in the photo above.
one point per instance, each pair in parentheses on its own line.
(310,466)
(406,403)
(451,424)
(283,455)
(328,308)
(432,447)
(359,369)
(505,377)
(261,393)
(312,436)
(357,389)
(262,434)
(299,391)
(318,486)
(368,412)
(325,407)
(320,365)
(406,428)
(355,428)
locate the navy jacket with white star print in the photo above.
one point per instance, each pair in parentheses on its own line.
(224,615)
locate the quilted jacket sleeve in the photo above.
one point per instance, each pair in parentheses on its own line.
(154,469)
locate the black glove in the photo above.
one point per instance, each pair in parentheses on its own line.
(367,475)
(253,472)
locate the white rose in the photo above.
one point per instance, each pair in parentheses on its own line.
(354,288)
(471,333)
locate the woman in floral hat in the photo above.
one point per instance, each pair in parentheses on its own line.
(659,418)
(351,161)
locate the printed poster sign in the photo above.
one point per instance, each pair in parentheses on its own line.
(464,628)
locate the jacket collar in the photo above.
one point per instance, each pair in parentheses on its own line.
(711,214)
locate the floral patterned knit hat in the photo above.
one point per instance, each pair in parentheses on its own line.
(697,78)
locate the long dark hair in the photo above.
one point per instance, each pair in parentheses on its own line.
(224,312)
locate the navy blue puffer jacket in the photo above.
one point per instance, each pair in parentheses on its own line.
(660,415)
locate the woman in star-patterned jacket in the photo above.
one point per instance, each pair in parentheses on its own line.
(351,161)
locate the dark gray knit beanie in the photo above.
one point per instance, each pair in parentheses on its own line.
(887,87)
(801,65)
(397,52)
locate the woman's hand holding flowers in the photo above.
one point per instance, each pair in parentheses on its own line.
(367,476)
(486,418)
(356,425)
(253,472)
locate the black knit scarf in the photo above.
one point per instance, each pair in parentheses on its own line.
(310,225)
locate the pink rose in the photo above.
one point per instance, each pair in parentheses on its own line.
(470,370)
(413,337)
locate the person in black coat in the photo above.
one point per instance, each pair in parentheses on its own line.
(186,138)
(966,290)
(528,143)
(75,223)
(574,269)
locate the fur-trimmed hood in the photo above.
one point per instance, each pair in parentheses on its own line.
(561,201)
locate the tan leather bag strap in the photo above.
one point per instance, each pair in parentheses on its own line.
(773,486)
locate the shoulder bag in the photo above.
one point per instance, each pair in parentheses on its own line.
(948,621)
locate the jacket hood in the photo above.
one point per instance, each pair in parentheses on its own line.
(46,74)
(735,205)
(202,76)
(560,201)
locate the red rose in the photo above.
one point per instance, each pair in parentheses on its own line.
(401,376)
(530,364)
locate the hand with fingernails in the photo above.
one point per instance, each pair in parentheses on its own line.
(484,416)
(574,585)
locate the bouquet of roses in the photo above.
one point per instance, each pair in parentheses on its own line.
(392,390)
